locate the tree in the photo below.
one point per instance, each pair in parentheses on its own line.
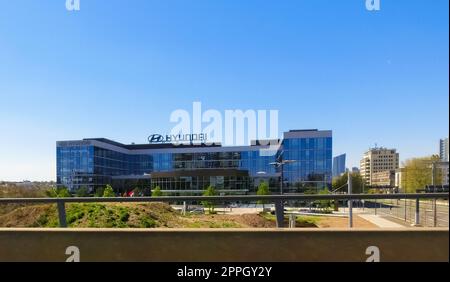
(52,193)
(341,181)
(82,192)
(263,189)
(157,192)
(210,191)
(58,192)
(324,204)
(99,192)
(417,173)
(109,192)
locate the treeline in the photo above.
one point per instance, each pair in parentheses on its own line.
(417,173)
(26,190)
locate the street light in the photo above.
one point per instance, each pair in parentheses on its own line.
(279,205)
(433,183)
(280,164)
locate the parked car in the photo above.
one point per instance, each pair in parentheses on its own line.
(197,211)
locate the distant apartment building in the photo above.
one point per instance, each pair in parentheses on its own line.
(400,175)
(378,160)
(339,165)
(444,156)
(443,150)
(355,169)
(384,178)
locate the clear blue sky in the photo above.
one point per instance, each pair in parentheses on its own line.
(117,69)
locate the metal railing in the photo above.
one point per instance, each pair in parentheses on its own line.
(278,200)
(433,213)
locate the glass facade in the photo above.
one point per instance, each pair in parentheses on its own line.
(75,166)
(247,160)
(195,185)
(97,162)
(339,165)
(312,166)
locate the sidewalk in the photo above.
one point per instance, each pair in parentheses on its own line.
(380,222)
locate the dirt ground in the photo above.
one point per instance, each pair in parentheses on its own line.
(257,221)
(340,222)
(240,221)
(24,216)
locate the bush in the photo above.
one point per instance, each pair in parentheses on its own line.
(263,189)
(74,217)
(210,191)
(124,216)
(99,192)
(42,220)
(82,192)
(157,192)
(325,205)
(148,223)
(59,192)
(109,192)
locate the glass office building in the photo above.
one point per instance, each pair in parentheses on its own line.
(189,169)
(339,167)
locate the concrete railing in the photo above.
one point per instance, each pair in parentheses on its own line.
(225,245)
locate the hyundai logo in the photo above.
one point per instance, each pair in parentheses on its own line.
(156,138)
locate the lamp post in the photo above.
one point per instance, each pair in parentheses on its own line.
(280,163)
(434,165)
(279,205)
(350,202)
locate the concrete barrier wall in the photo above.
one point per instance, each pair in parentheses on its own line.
(229,245)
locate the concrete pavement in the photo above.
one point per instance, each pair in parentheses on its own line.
(380,221)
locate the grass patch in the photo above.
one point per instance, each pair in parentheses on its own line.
(213,224)
(148,223)
(226,224)
(301,220)
(307,221)
(127,215)
(194,225)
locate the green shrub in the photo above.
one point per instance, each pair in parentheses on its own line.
(82,192)
(210,191)
(148,223)
(263,190)
(42,221)
(74,216)
(157,192)
(124,216)
(109,192)
(99,192)
(59,192)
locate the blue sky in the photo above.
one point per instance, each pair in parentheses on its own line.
(117,69)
